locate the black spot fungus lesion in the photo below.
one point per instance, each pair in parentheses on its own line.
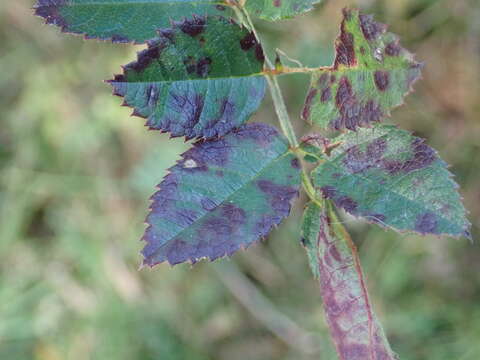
(192,27)
(50,11)
(370,28)
(382,80)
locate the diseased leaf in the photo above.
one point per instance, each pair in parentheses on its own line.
(222,196)
(200,79)
(123,20)
(393,179)
(279,9)
(371,75)
(354,327)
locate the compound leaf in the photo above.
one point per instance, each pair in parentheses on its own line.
(354,327)
(371,75)
(200,79)
(222,196)
(394,179)
(123,20)
(279,9)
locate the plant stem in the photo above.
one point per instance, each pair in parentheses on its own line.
(281,110)
(279,104)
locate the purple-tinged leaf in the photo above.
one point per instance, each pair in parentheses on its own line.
(200,79)
(393,179)
(354,327)
(222,196)
(123,21)
(370,76)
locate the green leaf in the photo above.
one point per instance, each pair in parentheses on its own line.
(123,20)
(200,79)
(273,10)
(371,75)
(354,327)
(222,196)
(393,179)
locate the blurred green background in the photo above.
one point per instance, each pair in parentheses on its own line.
(76,173)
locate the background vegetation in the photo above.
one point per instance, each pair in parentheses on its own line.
(76,172)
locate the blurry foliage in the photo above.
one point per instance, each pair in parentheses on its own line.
(75,170)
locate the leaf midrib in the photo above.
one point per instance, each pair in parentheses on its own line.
(260,74)
(143,3)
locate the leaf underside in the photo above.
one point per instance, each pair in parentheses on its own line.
(123,20)
(371,75)
(393,179)
(354,327)
(279,9)
(222,196)
(199,79)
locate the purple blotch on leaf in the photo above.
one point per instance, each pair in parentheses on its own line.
(308,103)
(50,11)
(192,27)
(352,113)
(382,80)
(370,28)
(426,223)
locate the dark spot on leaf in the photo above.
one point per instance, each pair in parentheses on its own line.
(50,11)
(347,14)
(189,107)
(329,192)
(203,67)
(357,161)
(376,148)
(295,163)
(393,49)
(426,223)
(277,3)
(382,80)
(345,202)
(217,228)
(117,38)
(167,34)
(259,53)
(370,28)
(220,7)
(192,27)
(279,196)
(323,80)
(308,103)
(326,94)
(262,135)
(345,51)
(248,41)
(353,114)
(146,57)
(422,156)
(221,124)
(304,241)
(344,94)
